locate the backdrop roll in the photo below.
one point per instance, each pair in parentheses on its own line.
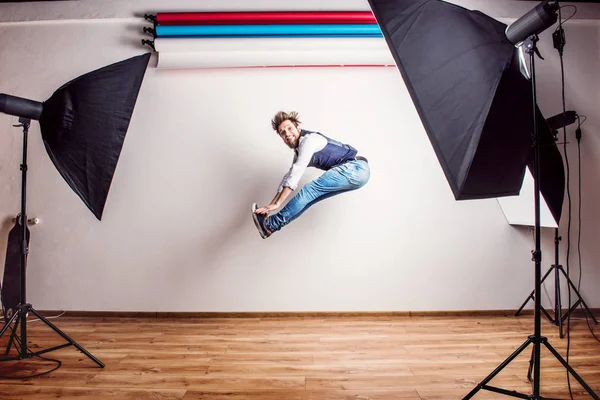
(262,58)
(340,30)
(191,45)
(270,17)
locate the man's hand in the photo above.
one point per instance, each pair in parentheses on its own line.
(266,209)
(275,203)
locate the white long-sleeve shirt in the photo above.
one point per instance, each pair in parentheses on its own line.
(307,146)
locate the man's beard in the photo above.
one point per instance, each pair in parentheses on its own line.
(293,145)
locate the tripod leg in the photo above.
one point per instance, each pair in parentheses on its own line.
(571,370)
(579,296)
(524,303)
(557,304)
(14,317)
(552,320)
(573,308)
(10,321)
(532,294)
(67,338)
(530,369)
(498,369)
(12,337)
(547,315)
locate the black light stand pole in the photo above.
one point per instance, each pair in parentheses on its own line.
(25,122)
(557,301)
(537,253)
(20,315)
(536,339)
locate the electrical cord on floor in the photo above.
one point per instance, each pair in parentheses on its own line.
(58,365)
(18,340)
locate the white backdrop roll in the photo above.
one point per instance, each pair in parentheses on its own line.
(261,58)
(192,45)
(265,52)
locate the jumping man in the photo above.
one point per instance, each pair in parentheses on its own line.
(344,171)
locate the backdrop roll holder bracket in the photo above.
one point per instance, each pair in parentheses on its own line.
(151,18)
(149,43)
(151,31)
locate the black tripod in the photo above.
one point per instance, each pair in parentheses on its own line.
(559,318)
(536,339)
(20,315)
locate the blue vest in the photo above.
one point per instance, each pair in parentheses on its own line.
(334,153)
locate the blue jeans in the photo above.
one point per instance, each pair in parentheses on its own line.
(351,175)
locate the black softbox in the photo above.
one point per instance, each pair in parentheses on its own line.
(466,82)
(84,123)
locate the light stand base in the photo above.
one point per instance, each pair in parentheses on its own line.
(530,340)
(18,317)
(559,318)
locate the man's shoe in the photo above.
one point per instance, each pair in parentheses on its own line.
(260,222)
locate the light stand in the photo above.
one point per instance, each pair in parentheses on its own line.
(556,122)
(83,123)
(536,339)
(559,318)
(22,310)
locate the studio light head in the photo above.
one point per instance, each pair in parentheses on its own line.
(534,22)
(20,107)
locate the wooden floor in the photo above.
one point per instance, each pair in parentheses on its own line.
(296,358)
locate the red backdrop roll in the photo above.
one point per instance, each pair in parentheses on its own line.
(271,17)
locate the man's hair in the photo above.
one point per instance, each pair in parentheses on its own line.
(282,116)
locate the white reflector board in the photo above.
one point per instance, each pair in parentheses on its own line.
(520,210)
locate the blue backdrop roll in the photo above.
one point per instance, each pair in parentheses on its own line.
(337,30)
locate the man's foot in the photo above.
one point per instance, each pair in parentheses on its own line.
(260,222)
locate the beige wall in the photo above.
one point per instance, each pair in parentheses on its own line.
(177,233)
